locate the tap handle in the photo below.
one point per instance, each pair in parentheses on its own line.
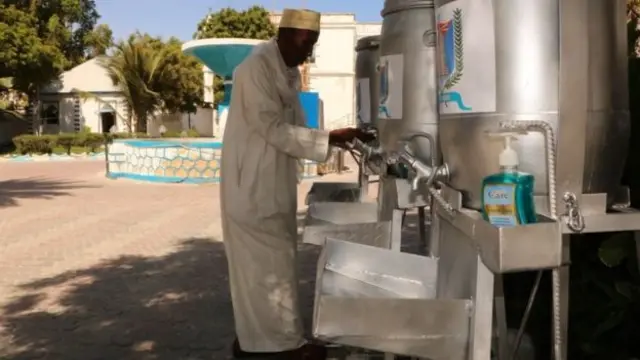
(356,144)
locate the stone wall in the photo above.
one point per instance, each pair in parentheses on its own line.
(172,164)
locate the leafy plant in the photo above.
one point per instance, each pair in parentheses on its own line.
(193,133)
(35,144)
(67,141)
(40,39)
(154,75)
(135,70)
(171,134)
(94,142)
(605,297)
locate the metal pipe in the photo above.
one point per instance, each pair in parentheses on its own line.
(440,174)
(550,147)
(423,171)
(363,179)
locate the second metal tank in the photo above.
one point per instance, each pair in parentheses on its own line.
(367,80)
(408,89)
(561,62)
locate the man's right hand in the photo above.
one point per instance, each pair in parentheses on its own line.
(340,137)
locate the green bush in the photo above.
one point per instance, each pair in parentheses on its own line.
(171,134)
(76,142)
(67,141)
(35,144)
(94,141)
(193,133)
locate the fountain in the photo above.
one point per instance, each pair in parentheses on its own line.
(183,160)
(221,56)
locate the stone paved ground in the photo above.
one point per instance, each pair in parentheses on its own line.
(92,268)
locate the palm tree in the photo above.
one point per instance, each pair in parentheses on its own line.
(135,68)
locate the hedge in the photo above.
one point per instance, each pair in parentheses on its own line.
(92,142)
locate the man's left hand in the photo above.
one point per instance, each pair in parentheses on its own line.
(340,137)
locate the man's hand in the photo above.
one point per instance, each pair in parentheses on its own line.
(340,137)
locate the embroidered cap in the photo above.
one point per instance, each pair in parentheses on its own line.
(300,19)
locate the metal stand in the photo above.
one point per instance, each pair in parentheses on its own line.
(545,245)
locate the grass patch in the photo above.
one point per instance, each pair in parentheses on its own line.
(58,150)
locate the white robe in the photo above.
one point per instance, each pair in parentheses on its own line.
(264,138)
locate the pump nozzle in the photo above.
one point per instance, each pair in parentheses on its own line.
(508,157)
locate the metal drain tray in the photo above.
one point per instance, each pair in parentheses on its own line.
(339,213)
(333,192)
(354,222)
(382,300)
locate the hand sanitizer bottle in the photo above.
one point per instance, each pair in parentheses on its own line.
(507,196)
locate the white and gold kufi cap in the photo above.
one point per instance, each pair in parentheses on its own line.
(300,19)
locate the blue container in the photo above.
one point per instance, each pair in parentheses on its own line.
(311,105)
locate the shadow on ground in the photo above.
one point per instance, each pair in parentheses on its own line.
(11,191)
(172,307)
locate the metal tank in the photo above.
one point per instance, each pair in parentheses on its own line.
(367,84)
(408,89)
(561,62)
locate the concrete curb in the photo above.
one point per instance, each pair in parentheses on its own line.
(31,158)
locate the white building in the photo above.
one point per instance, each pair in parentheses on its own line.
(82,96)
(86,96)
(332,71)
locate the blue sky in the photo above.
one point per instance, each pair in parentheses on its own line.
(180,17)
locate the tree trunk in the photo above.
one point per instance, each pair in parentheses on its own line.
(141,124)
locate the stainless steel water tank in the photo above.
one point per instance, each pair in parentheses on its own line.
(408,89)
(563,62)
(367,84)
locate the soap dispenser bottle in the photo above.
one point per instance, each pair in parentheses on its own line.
(507,196)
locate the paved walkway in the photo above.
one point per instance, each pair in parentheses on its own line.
(92,268)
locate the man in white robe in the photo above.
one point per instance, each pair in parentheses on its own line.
(264,138)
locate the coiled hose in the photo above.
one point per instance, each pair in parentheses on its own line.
(550,150)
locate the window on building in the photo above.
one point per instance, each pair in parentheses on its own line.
(50,113)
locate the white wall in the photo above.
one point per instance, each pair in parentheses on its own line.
(368,29)
(208,84)
(336,93)
(202,121)
(332,71)
(90,112)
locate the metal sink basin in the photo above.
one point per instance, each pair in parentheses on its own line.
(377,234)
(354,222)
(383,300)
(333,192)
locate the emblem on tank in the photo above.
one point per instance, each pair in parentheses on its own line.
(383,68)
(451,56)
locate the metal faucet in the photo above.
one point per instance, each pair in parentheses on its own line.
(430,173)
(366,150)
